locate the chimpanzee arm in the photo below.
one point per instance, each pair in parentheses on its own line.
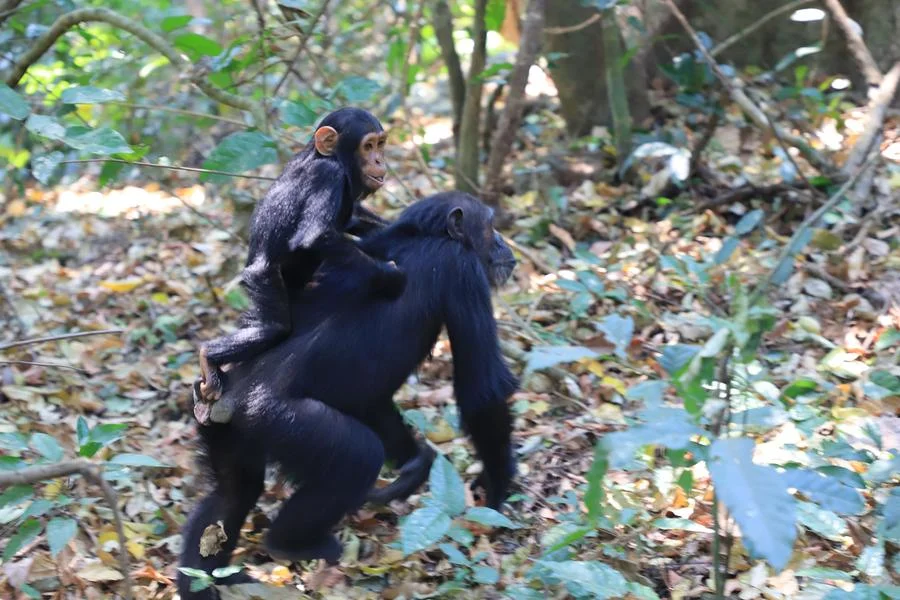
(364,222)
(482,381)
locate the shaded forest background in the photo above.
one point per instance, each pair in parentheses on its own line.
(704,198)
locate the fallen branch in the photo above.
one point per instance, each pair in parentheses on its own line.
(737,94)
(29,363)
(138,163)
(54,338)
(855,43)
(160,44)
(515,100)
(747,192)
(94,474)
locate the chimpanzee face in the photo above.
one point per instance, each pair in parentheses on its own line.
(371,159)
(501,261)
(472,223)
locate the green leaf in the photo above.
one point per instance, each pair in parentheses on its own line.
(47,446)
(423,528)
(826,492)
(676,357)
(592,282)
(107,433)
(13,442)
(889,337)
(135,460)
(757,498)
(542,357)
(82,431)
(485,575)
(820,521)
(650,392)
(15,495)
(447,486)
(59,533)
(493,14)
(670,428)
(357,90)
(46,127)
(454,555)
(594,496)
(197,46)
(222,572)
(28,531)
(239,152)
(489,517)
(176,22)
(200,580)
(749,222)
(586,579)
(12,104)
(298,114)
(90,95)
(619,331)
(104,141)
(729,245)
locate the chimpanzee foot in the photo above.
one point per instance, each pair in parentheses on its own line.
(206,413)
(327,548)
(210,379)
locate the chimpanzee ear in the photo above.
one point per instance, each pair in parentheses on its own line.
(455,224)
(326,140)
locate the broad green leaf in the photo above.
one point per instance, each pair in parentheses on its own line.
(489,517)
(820,521)
(888,338)
(90,95)
(107,433)
(592,282)
(619,331)
(454,555)
(826,492)
(682,525)
(357,90)
(749,222)
(586,579)
(239,152)
(46,127)
(13,442)
(237,298)
(135,460)
(871,561)
(59,533)
(176,22)
(423,528)
(200,580)
(485,575)
(650,392)
(15,494)
(447,486)
(298,114)
(82,431)
(757,498)
(670,428)
(12,104)
(865,592)
(542,357)
(493,14)
(843,475)
(28,531)
(676,357)
(571,286)
(47,446)
(729,245)
(196,45)
(104,141)
(222,572)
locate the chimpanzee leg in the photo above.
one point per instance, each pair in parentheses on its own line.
(335,458)
(270,322)
(239,472)
(411,457)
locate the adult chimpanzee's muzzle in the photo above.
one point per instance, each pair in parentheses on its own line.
(502,261)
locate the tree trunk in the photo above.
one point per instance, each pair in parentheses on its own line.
(579,75)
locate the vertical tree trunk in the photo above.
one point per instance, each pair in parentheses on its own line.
(576,33)
(467,148)
(443,31)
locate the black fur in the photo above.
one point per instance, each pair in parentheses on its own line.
(320,404)
(299,223)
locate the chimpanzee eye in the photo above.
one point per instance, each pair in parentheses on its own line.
(381,144)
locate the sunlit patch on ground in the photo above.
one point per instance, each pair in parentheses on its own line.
(130,202)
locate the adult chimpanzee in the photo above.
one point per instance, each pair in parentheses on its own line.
(301,221)
(320,404)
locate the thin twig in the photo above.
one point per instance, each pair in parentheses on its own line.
(731,41)
(54,338)
(302,46)
(573,28)
(159,166)
(788,250)
(41,364)
(877,110)
(539,262)
(181,111)
(93,473)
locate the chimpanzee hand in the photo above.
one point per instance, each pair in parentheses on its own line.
(389,281)
(494,491)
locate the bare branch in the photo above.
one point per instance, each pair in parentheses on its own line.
(54,338)
(443,31)
(855,43)
(159,166)
(878,103)
(529,46)
(731,41)
(160,44)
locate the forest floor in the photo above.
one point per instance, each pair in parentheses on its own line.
(147,260)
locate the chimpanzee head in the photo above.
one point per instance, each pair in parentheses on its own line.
(355,138)
(467,220)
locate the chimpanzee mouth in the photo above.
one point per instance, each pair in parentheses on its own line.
(378,180)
